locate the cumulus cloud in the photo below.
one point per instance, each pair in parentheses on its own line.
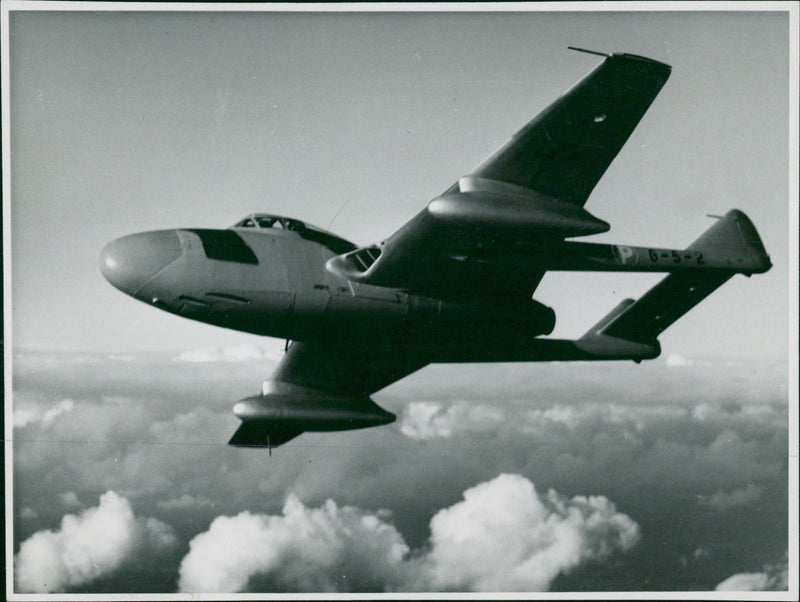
(237,353)
(506,536)
(503,536)
(88,546)
(324,549)
(772,578)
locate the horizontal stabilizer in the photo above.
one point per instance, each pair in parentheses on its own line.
(663,304)
(733,239)
(603,342)
(632,328)
(262,434)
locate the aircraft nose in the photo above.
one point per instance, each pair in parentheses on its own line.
(130,261)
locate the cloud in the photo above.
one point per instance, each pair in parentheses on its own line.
(237,353)
(700,554)
(69,498)
(656,445)
(24,416)
(503,536)
(62,407)
(33,413)
(185,501)
(676,360)
(724,500)
(744,582)
(429,420)
(87,546)
(772,578)
(323,549)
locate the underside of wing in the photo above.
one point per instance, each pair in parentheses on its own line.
(480,235)
(263,434)
(346,370)
(322,387)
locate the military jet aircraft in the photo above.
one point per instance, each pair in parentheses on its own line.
(454,284)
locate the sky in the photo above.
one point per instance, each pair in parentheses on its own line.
(123,122)
(672,475)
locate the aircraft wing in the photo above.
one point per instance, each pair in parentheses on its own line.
(528,196)
(350,369)
(564,151)
(322,386)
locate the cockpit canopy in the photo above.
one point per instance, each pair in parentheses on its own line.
(264,221)
(261,220)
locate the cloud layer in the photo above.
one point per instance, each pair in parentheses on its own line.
(235,353)
(503,536)
(88,546)
(706,451)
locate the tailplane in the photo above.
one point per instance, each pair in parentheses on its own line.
(731,246)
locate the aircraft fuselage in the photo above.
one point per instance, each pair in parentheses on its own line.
(273,282)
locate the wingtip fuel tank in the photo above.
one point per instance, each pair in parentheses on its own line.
(284,411)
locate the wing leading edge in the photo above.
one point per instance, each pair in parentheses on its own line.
(528,196)
(565,150)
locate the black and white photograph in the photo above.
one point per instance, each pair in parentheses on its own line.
(392,300)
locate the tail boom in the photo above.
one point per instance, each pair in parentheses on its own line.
(630,331)
(732,245)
